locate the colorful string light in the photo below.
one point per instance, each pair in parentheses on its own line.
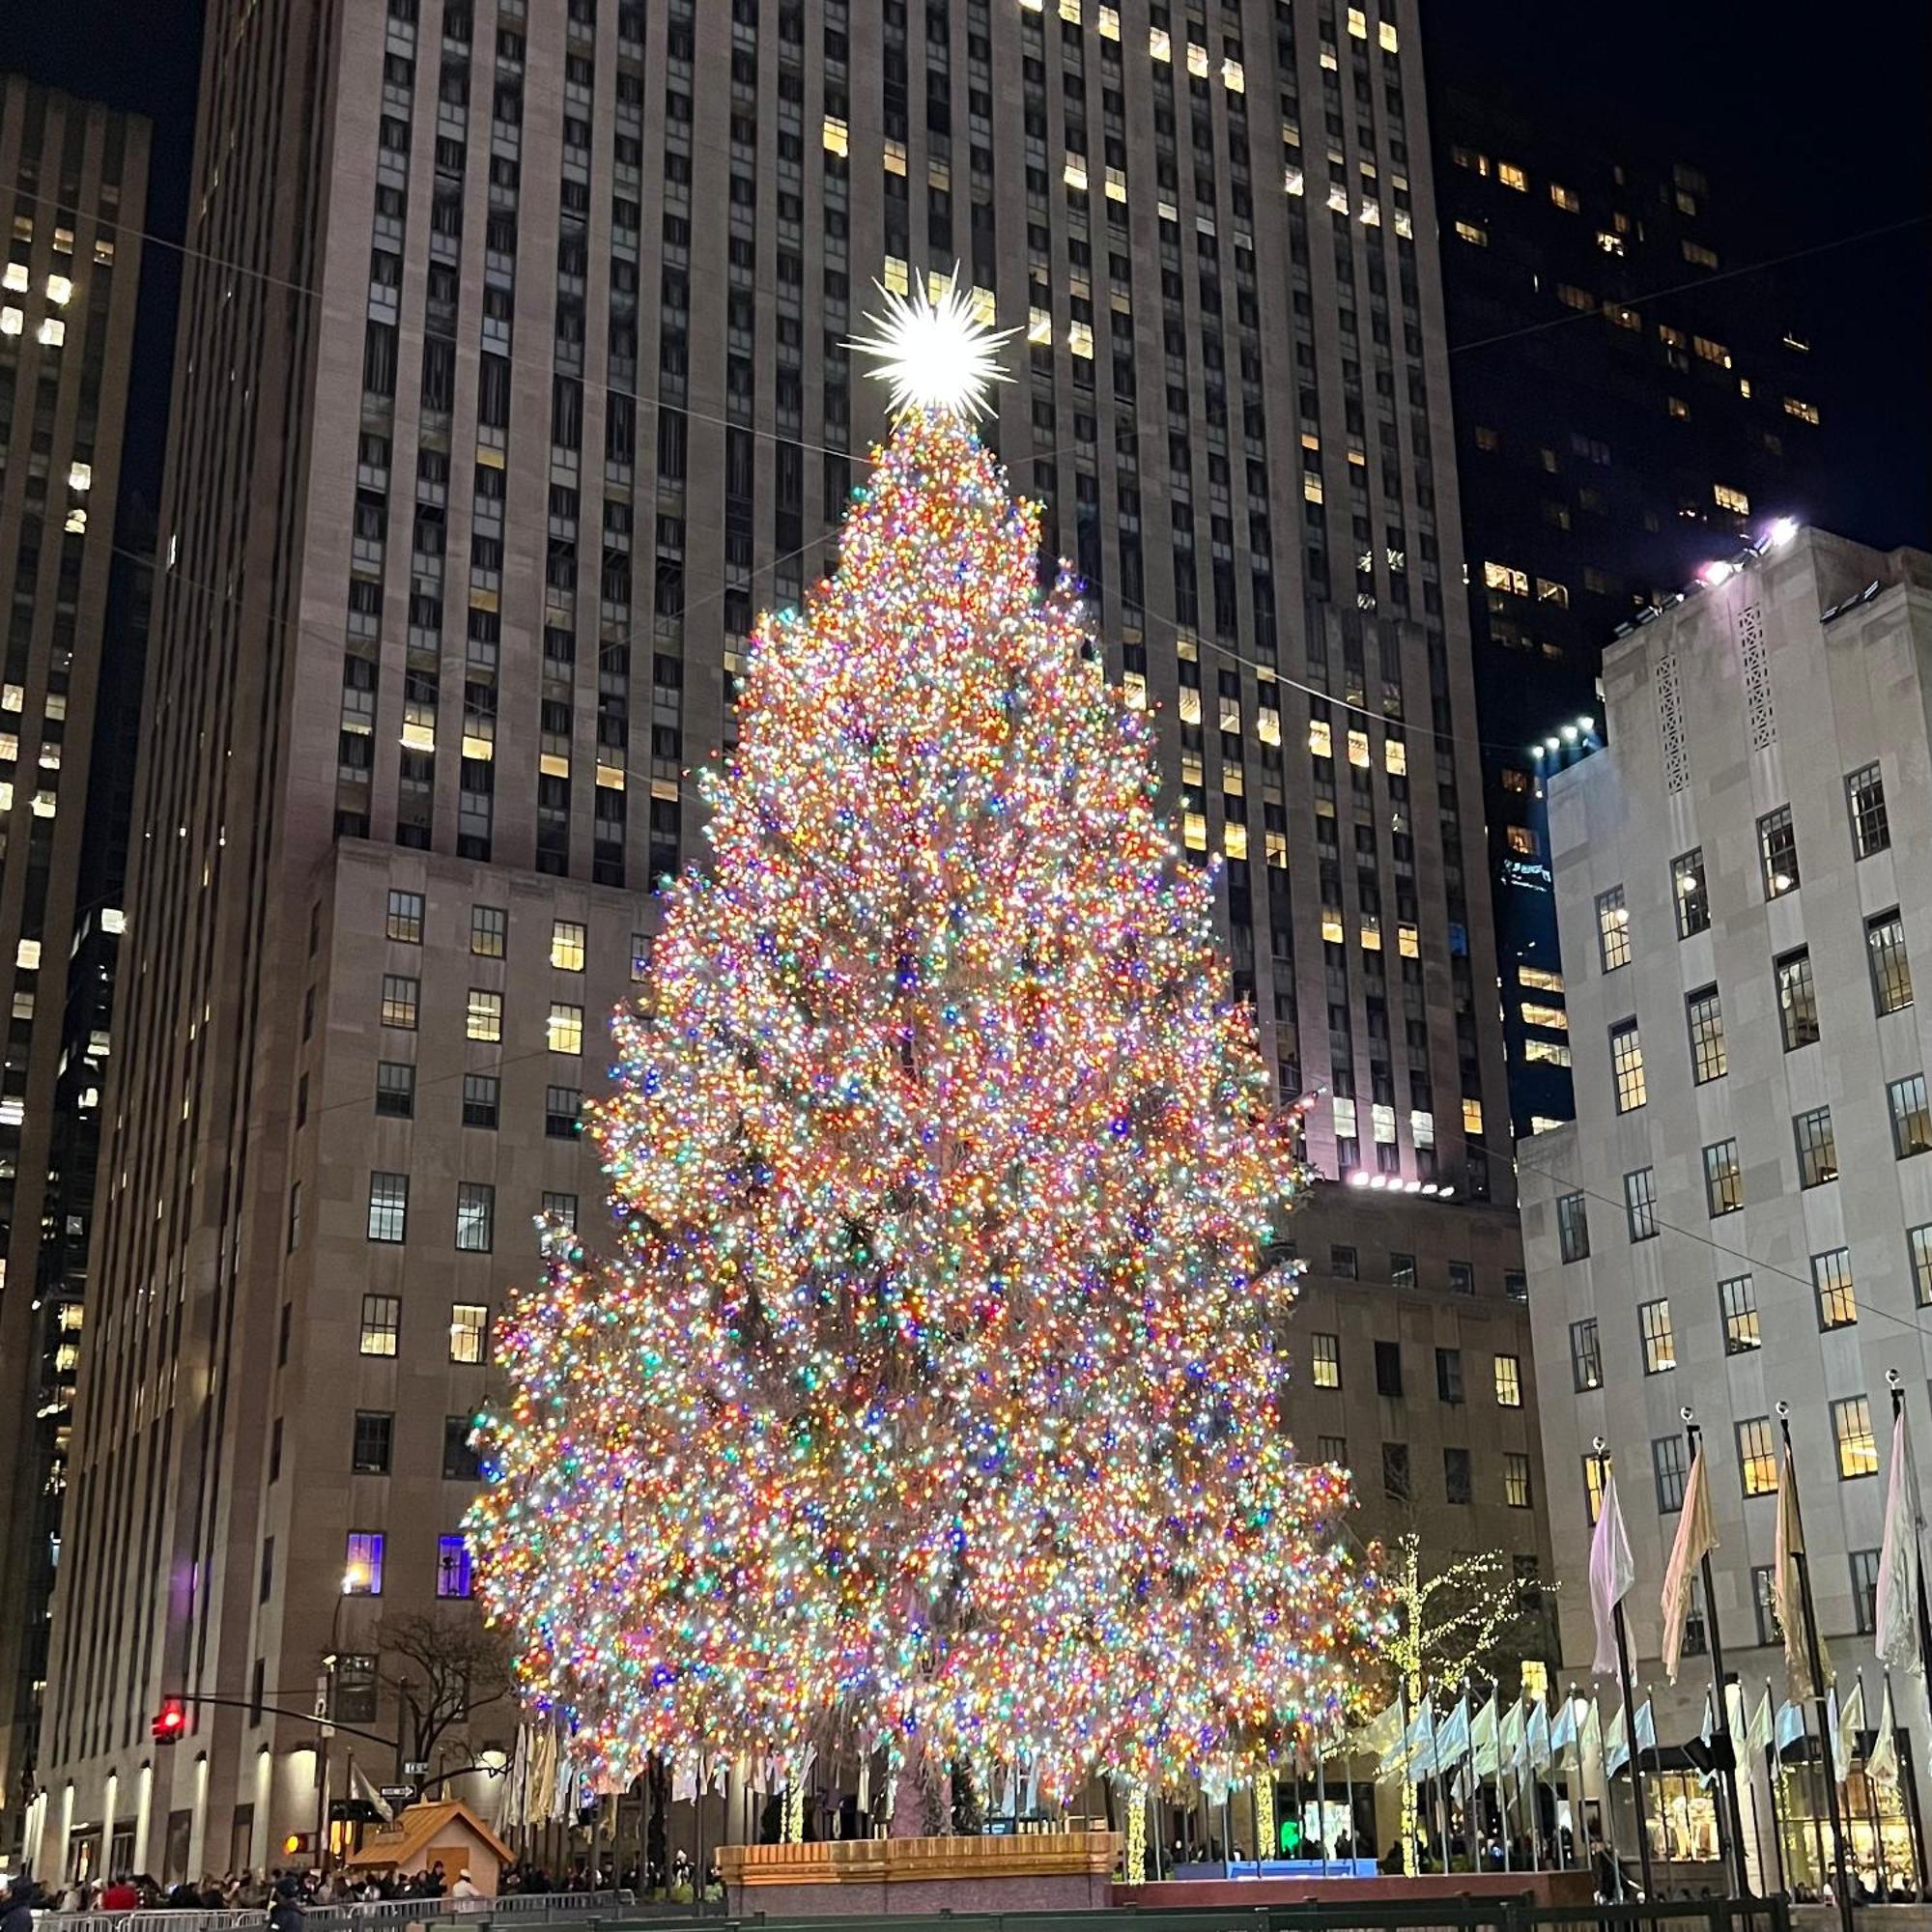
(932,1387)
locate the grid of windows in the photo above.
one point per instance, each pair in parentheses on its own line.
(372,1442)
(363,1563)
(1777,852)
(484,1018)
(461,1464)
(396,1088)
(1613,935)
(1395,1471)
(1325,1361)
(1332,1449)
(1911,1124)
(1515,1480)
(1796,1000)
(468,1331)
(489,931)
(1572,1227)
(562,1108)
(405,922)
(476,1217)
(1851,1435)
(1593,1487)
(1757,1456)
(1817,1148)
(1626,1066)
(381,1322)
(1509,1382)
(1458,1477)
(1388,1368)
(1706,1019)
(1724,1178)
(1831,1278)
(1640,1203)
(1449,1375)
(640,957)
(1918,1252)
(1737,1304)
(388,1206)
(566,945)
(480,1102)
(1891,970)
(1660,1345)
(1670,1464)
(452,1566)
(1586,1356)
(1865,800)
(1864,1590)
(561,1208)
(402,996)
(1694,902)
(566,1027)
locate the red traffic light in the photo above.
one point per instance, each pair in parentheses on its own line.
(170,1720)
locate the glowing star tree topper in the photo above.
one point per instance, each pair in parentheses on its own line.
(930,1389)
(935,352)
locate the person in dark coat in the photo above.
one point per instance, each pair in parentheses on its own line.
(21,1897)
(287,1914)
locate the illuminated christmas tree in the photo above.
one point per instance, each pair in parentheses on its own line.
(931,1389)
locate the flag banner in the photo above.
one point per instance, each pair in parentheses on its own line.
(1536,1736)
(1590,1736)
(1757,1736)
(360,1787)
(1697,1537)
(1611,1575)
(1616,1746)
(1563,1733)
(1883,1766)
(1896,1618)
(1452,1737)
(1848,1719)
(1482,1740)
(1646,1728)
(1509,1736)
(1382,1734)
(1790,1725)
(1788,1593)
(1413,1754)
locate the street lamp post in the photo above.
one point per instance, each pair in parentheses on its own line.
(325,1712)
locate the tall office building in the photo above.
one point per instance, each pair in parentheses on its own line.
(1741,1215)
(511,385)
(1624,412)
(71,174)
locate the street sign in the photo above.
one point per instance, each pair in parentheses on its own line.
(416,1768)
(402,1791)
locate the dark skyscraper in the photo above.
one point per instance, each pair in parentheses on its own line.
(71,174)
(510,385)
(1624,417)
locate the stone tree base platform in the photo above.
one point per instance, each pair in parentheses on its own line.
(1046,1871)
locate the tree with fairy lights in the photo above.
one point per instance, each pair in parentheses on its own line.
(930,1394)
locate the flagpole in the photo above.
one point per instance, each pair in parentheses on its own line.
(1630,1715)
(1496,1726)
(1904,1805)
(1321,1804)
(1609,1815)
(1923,1613)
(1579,1800)
(1773,1770)
(1871,1799)
(1817,1662)
(1442,1804)
(1727,1774)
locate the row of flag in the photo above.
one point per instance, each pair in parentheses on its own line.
(1613,1574)
(1521,1739)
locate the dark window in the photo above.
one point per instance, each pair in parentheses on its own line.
(1388,1368)
(461,1464)
(1457,1483)
(1448,1375)
(375,1431)
(396,1088)
(1395,1471)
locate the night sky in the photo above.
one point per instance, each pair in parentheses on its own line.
(1811,134)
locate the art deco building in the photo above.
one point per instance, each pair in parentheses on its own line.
(72,191)
(1741,1215)
(511,386)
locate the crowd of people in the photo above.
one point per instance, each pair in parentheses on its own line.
(284,1895)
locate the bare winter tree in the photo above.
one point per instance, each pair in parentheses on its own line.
(442,1667)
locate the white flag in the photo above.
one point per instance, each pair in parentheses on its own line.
(1509,1736)
(1616,1746)
(1381,1735)
(1848,1719)
(1563,1733)
(1611,1575)
(1415,1746)
(1482,1740)
(1758,1736)
(1896,1612)
(1452,1737)
(1536,1736)
(1882,1768)
(1790,1725)
(1646,1727)
(1697,1537)
(359,1784)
